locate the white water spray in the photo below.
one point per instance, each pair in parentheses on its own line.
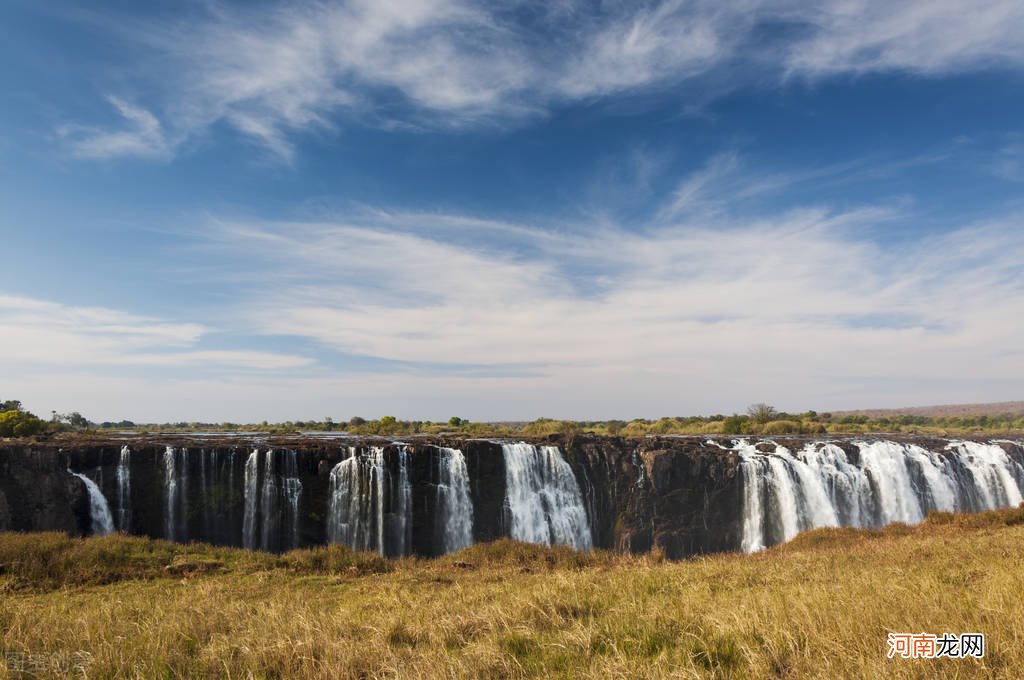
(454,506)
(366,511)
(785,493)
(124,490)
(251,500)
(543,499)
(102,523)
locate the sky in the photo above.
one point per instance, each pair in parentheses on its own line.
(222,211)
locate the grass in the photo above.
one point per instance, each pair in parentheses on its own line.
(819,606)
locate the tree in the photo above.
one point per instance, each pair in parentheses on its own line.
(10,405)
(733,425)
(76,420)
(614,426)
(761,413)
(456,421)
(15,423)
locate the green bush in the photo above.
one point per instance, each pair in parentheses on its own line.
(20,424)
(734,425)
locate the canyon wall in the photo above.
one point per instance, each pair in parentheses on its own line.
(432,495)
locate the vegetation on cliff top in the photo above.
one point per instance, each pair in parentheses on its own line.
(757,422)
(820,606)
(760,419)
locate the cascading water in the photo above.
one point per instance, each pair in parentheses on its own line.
(366,511)
(171,490)
(822,485)
(349,511)
(291,491)
(991,479)
(101,521)
(543,499)
(454,506)
(268,502)
(124,490)
(250,492)
(401,511)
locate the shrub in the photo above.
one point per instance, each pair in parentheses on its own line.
(733,425)
(781,427)
(20,424)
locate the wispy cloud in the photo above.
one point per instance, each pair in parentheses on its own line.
(45,333)
(930,37)
(798,307)
(794,302)
(454,63)
(140,135)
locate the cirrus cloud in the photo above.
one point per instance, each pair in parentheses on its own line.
(449,64)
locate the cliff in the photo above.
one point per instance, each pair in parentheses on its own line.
(428,495)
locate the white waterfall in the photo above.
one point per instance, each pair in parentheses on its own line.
(753,515)
(251,490)
(348,512)
(171,490)
(402,510)
(124,490)
(102,522)
(785,493)
(886,465)
(292,489)
(268,502)
(990,470)
(454,506)
(366,510)
(543,499)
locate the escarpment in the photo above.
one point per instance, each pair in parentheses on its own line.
(432,495)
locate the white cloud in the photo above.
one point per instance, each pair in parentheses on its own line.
(797,307)
(930,37)
(45,333)
(143,137)
(452,63)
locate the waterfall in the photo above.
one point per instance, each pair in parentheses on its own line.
(102,523)
(268,502)
(991,475)
(348,511)
(454,506)
(367,508)
(171,490)
(822,485)
(292,490)
(124,490)
(402,510)
(753,516)
(543,499)
(250,491)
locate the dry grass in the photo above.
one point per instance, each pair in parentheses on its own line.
(818,607)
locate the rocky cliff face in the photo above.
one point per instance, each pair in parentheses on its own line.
(672,493)
(37,494)
(681,495)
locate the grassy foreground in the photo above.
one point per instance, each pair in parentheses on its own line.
(818,607)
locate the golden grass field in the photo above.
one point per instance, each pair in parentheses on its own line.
(819,607)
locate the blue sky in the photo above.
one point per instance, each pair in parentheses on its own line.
(218,211)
